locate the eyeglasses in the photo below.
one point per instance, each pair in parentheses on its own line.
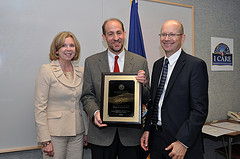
(171,35)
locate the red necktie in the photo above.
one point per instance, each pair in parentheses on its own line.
(116,67)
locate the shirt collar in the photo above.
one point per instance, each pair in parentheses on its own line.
(173,58)
(121,54)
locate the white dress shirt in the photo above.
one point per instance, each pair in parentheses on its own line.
(172,61)
(111,60)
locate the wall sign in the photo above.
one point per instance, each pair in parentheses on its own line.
(221,54)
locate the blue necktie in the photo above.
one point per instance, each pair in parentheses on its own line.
(159,92)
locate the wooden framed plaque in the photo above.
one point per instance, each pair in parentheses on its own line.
(121,98)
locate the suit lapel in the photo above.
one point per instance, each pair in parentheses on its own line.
(103,62)
(129,62)
(177,69)
(78,74)
(156,76)
(58,73)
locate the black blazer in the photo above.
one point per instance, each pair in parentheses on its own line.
(185,105)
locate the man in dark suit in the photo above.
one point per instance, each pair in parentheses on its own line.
(109,141)
(179,100)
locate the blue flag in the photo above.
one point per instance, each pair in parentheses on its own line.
(135,41)
(135,45)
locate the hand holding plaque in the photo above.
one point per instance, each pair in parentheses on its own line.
(121,98)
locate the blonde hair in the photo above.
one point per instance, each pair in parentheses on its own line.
(59,40)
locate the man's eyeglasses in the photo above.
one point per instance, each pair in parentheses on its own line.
(171,35)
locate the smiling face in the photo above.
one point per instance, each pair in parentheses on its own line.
(114,36)
(67,50)
(172,44)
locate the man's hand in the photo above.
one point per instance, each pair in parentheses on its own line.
(98,120)
(178,150)
(144,140)
(141,77)
(48,149)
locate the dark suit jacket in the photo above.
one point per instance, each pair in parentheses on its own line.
(185,105)
(94,66)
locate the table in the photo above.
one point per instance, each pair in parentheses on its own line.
(235,151)
(230,136)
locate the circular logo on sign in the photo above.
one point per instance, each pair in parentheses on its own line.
(121,87)
(222,49)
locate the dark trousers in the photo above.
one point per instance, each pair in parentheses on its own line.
(157,145)
(114,150)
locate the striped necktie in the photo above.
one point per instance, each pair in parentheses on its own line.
(159,92)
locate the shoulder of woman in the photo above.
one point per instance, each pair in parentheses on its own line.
(81,68)
(77,66)
(45,67)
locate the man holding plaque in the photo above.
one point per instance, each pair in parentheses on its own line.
(179,100)
(110,141)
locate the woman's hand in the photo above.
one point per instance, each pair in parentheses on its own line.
(47,148)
